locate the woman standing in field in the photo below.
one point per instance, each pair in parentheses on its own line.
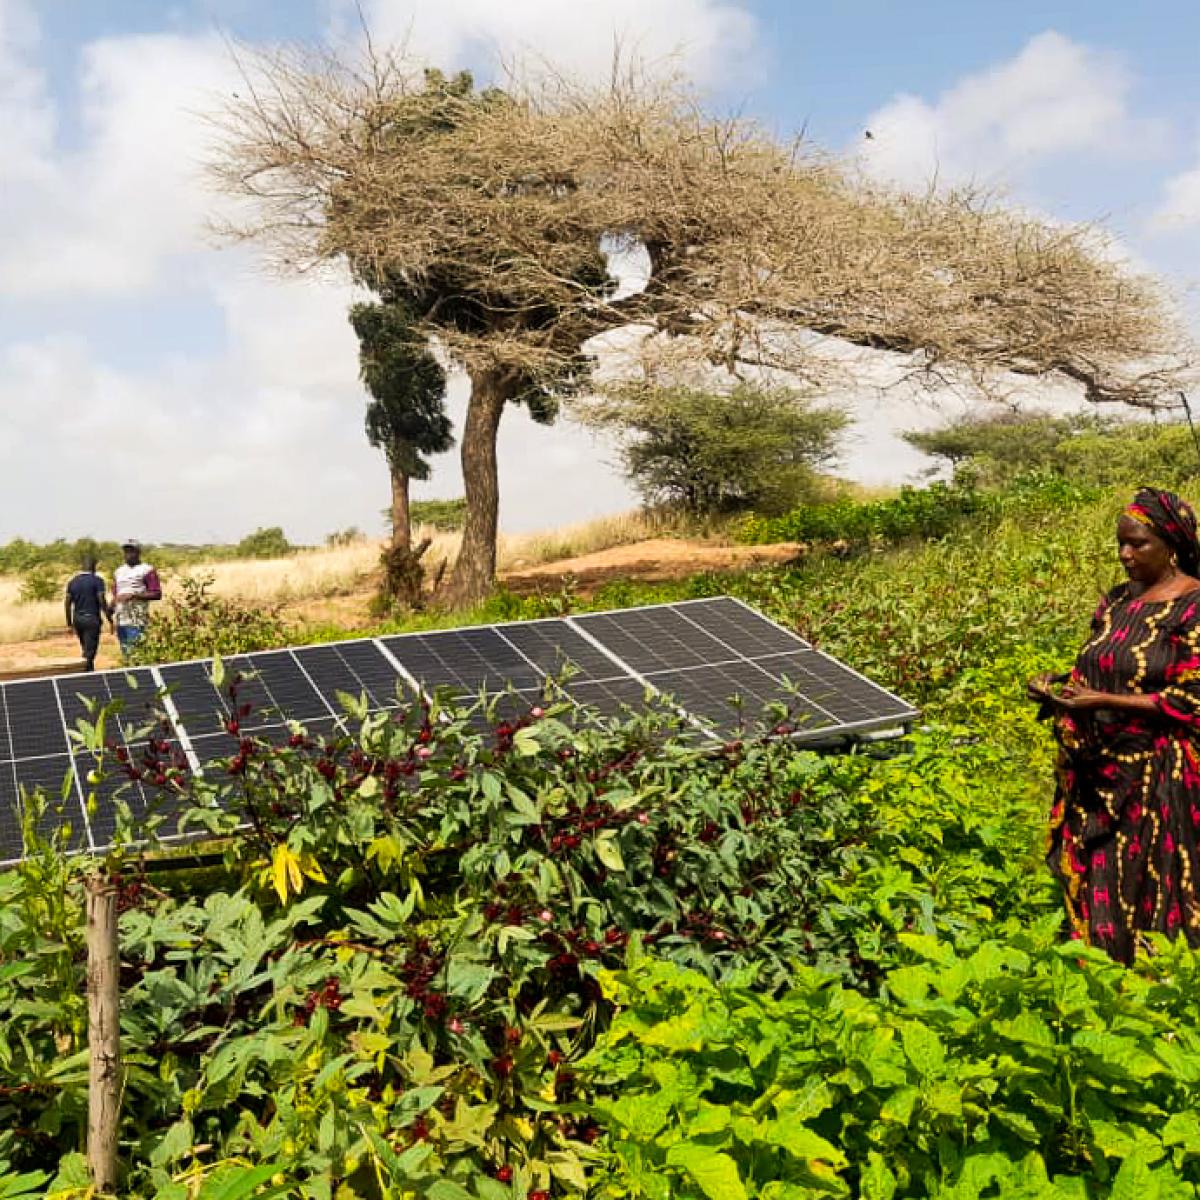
(1125,828)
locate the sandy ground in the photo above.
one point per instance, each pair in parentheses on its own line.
(653,561)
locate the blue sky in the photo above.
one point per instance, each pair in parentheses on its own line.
(155,383)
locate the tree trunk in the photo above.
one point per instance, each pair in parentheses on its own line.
(475,569)
(401,521)
(104,1031)
(403,575)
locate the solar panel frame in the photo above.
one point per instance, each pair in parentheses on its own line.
(608,661)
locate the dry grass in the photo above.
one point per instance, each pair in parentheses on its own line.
(23,622)
(310,575)
(304,575)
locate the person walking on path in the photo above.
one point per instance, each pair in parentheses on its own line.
(135,585)
(86,602)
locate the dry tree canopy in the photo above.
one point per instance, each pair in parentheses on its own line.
(492,209)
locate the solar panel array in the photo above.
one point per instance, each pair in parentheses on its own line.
(721,665)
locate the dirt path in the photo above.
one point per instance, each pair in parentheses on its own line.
(656,561)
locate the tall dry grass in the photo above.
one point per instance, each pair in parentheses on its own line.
(317,574)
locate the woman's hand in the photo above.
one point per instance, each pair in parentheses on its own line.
(1078,697)
(1041,688)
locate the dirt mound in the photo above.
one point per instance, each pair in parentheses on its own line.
(656,561)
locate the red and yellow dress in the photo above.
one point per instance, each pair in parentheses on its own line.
(1125,829)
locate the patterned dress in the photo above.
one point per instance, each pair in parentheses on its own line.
(1126,821)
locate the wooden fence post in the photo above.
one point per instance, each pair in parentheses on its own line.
(104,1031)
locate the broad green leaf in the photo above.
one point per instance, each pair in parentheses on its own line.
(643,1116)
(923,1047)
(447,1189)
(801,1143)
(1026,1027)
(525,742)
(1135,1180)
(927,947)
(714,1173)
(712,1118)
(898,1107)
(238,1183)
(1183,1130)
(608,852)
(876,1181)
(176,1142)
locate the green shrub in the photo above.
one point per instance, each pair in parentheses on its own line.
(196,624)
(1027,1068)
(447,515)
(40,585)
(705,453)
(265,543)
(1091,449)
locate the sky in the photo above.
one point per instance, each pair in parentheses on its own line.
(154,383)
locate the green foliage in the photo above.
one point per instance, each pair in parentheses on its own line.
(1088,449)
(406,416)
(390,982)
(19,556)
(194,623)
(265,542)
(917,513)
(1026,1068)
(708,452)
(446,515)
(40,585)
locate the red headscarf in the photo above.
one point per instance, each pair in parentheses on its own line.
(1173,520)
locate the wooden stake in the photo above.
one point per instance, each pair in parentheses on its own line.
(104,1031)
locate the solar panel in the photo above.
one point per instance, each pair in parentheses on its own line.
(721,667)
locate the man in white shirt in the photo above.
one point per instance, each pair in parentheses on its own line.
(135,584)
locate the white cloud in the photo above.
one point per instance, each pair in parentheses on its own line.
(712,41)
(1055,97)
(26,116)
(1179,206)
(111,217)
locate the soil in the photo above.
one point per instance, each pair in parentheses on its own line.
(655,561)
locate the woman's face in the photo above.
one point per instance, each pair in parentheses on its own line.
(1143,554)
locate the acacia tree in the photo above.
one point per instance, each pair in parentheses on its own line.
(493,211)
(406,418)
(709,452)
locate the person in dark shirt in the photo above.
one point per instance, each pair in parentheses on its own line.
(86,603)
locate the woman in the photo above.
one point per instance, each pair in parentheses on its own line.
(1125,828)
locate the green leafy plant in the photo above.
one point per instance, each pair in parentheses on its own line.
(707,452)
(1026,1068)
(267,542)
(39,586)
(194,623)
(447,515)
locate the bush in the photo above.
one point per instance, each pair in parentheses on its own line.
(196,624)
(265,543)
(446,515)
(39,586)
(707,453)
(916,513)
(1089,449)
(1027,1068)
